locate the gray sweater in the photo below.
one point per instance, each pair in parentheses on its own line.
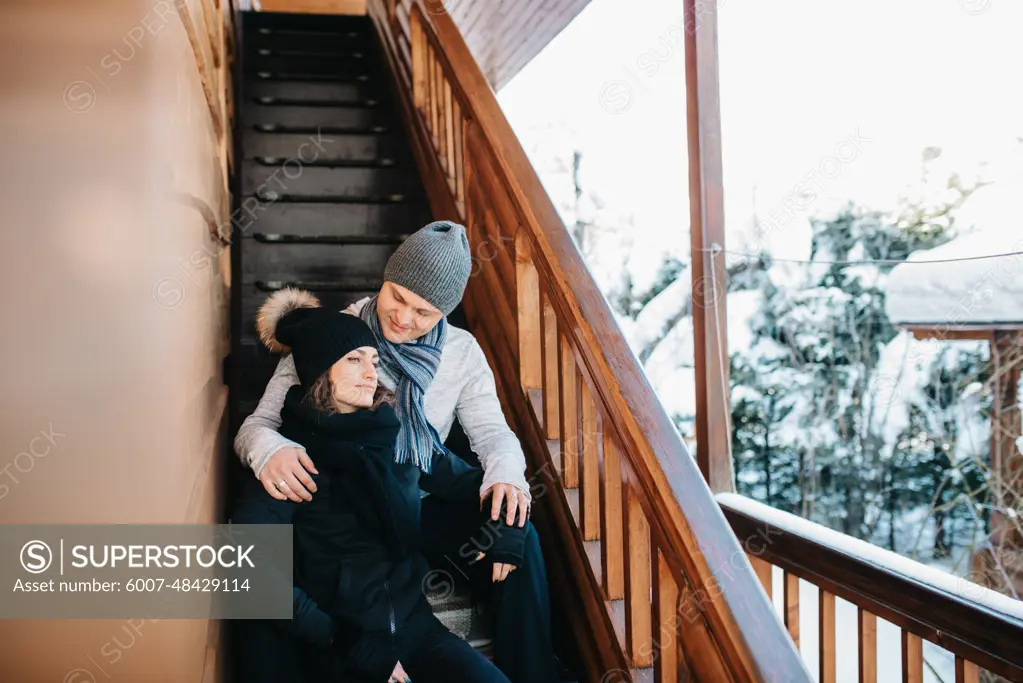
(463,387)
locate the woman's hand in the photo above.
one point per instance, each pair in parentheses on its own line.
(501,571)
(285,475)
(399,675)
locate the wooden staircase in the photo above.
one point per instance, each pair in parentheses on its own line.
(326,177)
(332,189)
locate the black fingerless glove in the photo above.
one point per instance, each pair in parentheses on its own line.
(508,543)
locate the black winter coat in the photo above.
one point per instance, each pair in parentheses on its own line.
(358,571)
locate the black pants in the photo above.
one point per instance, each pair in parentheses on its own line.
(520,605)
(443,657)
(430,654)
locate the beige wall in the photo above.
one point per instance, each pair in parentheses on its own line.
(119,299)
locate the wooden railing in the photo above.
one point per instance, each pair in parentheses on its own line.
(657,584)
(980,627)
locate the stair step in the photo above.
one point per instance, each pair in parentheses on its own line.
(268,196)
(314,261)
(278,162)
(316,92)
(302,77)
(313,41)
(331,67)
(453,607)
(278,129)
(253,21)
(318,147)
(268,49)
(321,286)
(290,238)
(368,103)
(242,409)
(256,360)
(309,117)
(295,178)
(335,220)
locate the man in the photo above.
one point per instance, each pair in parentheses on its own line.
(439,372)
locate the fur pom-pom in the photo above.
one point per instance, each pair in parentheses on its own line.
(279,304)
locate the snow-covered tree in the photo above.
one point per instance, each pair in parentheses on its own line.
(824,428)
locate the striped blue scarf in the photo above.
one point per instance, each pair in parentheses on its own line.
(412,365)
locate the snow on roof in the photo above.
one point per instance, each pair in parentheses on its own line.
(976,292)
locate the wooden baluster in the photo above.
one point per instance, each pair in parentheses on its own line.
(764,570)
(443,114)
(530,339)
(434,99)
(569,415)
(966,671)
(436,102)
(792,606)
(867,623)
(429,87)
(428,119)
(589,491)
(471,213)
(449,137)
(826,639)
(638,613)
(666,661)
(459,154)
(425,108)
(418,65)
(611,536)
(912,658)
(549,358)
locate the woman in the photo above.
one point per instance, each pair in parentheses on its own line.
(360,612)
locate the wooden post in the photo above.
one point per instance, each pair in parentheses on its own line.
(1005,545)
(707,237)
(1006,358)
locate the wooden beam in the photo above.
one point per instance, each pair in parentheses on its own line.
(707,239)
(948,331)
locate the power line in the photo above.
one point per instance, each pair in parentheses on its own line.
(716,249)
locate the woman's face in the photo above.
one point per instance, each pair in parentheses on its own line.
(354,379)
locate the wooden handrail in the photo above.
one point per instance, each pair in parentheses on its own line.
(534,301)
(974,623)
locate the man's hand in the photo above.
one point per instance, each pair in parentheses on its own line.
(518,502)
(285,475)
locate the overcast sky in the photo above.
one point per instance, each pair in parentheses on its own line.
(801,81)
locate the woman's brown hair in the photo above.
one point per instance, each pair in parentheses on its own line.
(321,395)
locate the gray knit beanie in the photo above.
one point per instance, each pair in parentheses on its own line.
(434,262)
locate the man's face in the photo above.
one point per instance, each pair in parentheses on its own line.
(405,316)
